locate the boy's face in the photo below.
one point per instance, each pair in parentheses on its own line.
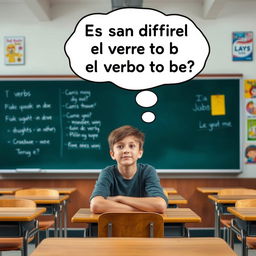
(252,154)
(126,151)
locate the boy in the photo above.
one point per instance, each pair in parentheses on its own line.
(127,186)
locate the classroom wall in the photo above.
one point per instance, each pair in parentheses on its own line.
(45,39)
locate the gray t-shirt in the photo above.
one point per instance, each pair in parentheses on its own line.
(145,183)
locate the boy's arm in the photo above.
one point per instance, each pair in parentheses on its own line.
(99,204)
(147,204)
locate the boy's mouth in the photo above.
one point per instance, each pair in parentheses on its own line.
(126,157)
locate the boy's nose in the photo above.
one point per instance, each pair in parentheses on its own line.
(126,149)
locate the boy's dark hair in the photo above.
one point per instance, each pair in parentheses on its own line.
(125,131)
(249,148)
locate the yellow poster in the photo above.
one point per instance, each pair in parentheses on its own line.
(218,107)
(250,88)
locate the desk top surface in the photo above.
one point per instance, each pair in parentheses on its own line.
(9,191)
(176,199)
(172,215)
(248,214)
(229,199)
(212,190)
(133,246)
(20,213)
(209,190)
(40,199)
(170,190)
(65,191)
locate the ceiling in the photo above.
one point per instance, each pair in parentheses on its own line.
(42,8)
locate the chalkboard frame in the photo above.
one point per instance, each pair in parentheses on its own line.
(19,171)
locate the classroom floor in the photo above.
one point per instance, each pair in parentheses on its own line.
(32,247)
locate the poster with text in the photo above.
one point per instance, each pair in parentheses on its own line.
(242,46)
(14,50)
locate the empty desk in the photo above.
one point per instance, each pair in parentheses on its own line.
(53,205)
(19,222)
(63,191)
(175,199)
(8,191)
(221,202)
(170,190)
(247,222)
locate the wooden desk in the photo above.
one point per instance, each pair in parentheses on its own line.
(220,205)
(8,191)
(175,199)
(52,203)
(212,190)
(247,221)
(64,191)
(19,222)
(133,246)
(84,215)
(247,214)
(20,213)
(173,217)
(170,191)
(209,190)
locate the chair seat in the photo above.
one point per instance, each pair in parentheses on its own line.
(250,241)
(12,243)
(226,222)
(45,224)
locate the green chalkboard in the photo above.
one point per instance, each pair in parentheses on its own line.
(62,124)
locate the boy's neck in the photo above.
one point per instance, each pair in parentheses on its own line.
(127,171)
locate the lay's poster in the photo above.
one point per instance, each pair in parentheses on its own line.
(242,46)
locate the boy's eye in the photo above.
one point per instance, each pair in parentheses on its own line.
(120,146)
(132,146)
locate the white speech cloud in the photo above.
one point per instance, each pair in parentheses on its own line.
(137,49)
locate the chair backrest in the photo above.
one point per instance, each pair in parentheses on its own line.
(246,203)
(237,191)
(37,192)
(131,224)
(17,203)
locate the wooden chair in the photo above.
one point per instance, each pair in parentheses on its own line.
(44,225)
(226,221)
(18,243)
(131,224)
(250,240)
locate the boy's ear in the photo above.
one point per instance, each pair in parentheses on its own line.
(140,154)
(112,155)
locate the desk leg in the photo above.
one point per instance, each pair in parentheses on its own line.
(60,220)
(244,249)
(65,212)
(216,220)
(55,222)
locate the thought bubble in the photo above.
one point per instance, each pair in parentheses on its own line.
(137,49)
(146,99)
(148,117)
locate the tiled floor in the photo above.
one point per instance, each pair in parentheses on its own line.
(31,248)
